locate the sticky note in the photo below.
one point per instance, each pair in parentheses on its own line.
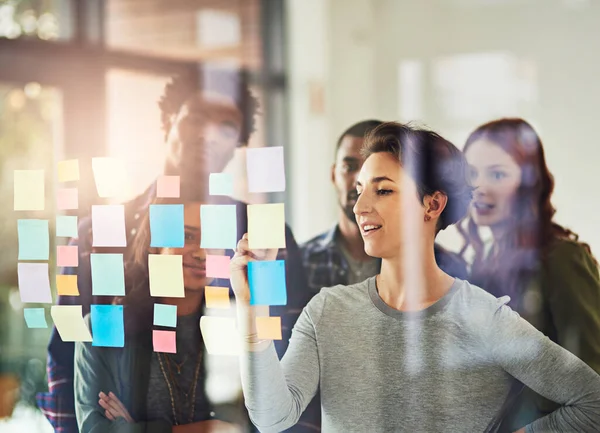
(217,266)
(266,226)
(265,169)
(220,184)
(108,275)
(66,285)
(68,170)
(165,315)
(109,175)
(34,239)
(168,186)
(66,226)
(220,335)
(35,317)
(164,341)
(34,282)
(69,323)
(28,190)
(268,328)
(67,198)
(67,255)
(217,297)
(107,325)
(218,224)
(166,275)
(108,226)
(267,283)
(166,226)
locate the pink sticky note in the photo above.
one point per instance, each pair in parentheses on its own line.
(217,266)
(164,341)
(67,198)
(67,255)
(167,186)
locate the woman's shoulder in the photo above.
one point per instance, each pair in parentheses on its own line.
(473,302)
(561,249)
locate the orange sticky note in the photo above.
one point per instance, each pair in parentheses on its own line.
(268,328)
(67,198)
(67,255)
(68,170)
(164,341)
(217,297)
(66,285)
(167,186)
(217,266)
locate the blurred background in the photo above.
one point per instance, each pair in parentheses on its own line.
(81,78)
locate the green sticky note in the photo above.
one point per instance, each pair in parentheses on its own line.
(165,315)
(66,226)
(218,225)
(34,239)
(220,184)
(35,317)
(108,275)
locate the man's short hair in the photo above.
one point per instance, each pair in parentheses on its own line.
(359,130)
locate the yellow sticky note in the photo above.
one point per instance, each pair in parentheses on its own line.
(68,170)
(66,285)
(268,328)
(220,335)
(217,297)
(166,275)
(110,176)
(266,226)
(29,190)
(69,323)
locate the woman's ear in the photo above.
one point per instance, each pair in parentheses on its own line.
(435,204)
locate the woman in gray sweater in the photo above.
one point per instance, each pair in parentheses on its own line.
(411,349)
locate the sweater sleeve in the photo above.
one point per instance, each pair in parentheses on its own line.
(276,393)
(551,371)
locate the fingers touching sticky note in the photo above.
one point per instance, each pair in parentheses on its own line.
(68,170)
(66,226)
(108,226)
(34,239)
(107,325)
(165,315)
(69,323)
(220,184)
(168,186)
(166,226)
(35,317)
(164,341)
(220,335)
(268,328)
(109,175)
(218,226)
(67,198)
(217,297)
(265,169)
(108,275)
(166,275)
(66,285)
(34,282)
(267,283)
(29,190)
(67,255)
(217,266)
(266,226)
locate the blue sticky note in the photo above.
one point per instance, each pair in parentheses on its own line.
(35,317)
(267,283)
(218,226)
(220,184)
(166,226)
(107,326)
(66,226)
(165,315)
(108,276)
(34,239)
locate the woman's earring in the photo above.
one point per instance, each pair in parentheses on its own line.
(427,217)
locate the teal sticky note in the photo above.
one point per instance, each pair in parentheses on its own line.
(108,276)
(66,226)
(165,315)
(220,184)
(108,328)
(218,225)
(267,283)
(34,239)
(166,226)
(35,317)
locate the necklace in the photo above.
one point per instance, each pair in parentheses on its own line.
(177,366)
(170,388)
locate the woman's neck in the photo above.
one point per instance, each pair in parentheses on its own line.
(190,304)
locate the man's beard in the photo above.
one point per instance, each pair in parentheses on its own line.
(348,209)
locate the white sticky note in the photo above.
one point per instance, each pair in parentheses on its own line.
(110,176)
(108,226)
(166,275)
(34,282)
(69,323)
(29,190)
(265,167)
(220,335)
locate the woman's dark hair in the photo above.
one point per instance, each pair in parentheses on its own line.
(433,163)
(517,255)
